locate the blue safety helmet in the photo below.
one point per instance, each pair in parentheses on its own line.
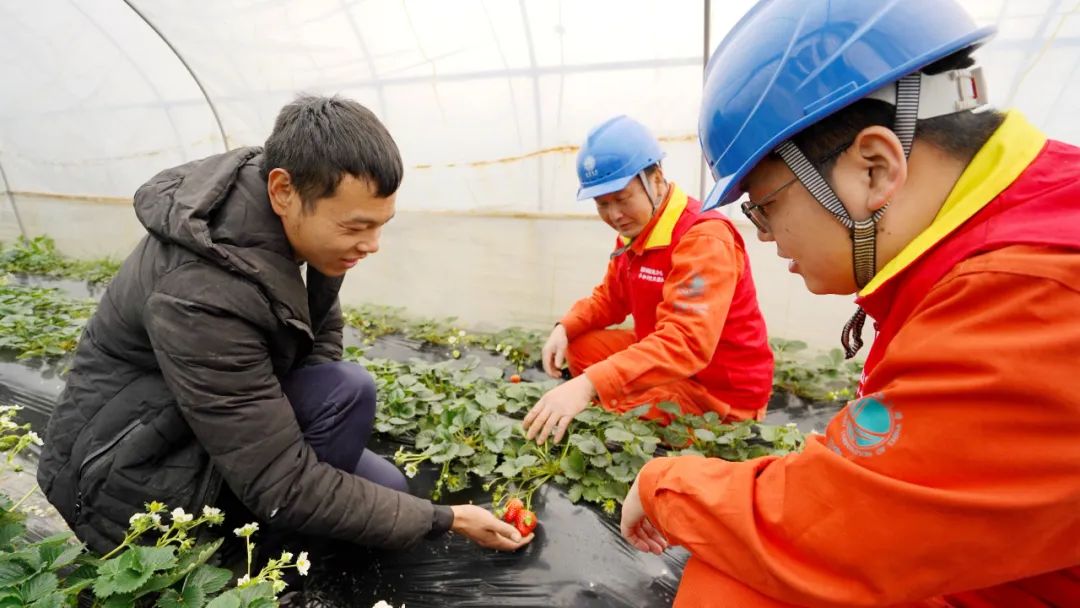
(790,63)
(613,154)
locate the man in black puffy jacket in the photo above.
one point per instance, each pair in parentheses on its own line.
(212,366)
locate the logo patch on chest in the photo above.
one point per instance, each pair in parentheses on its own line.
(650,274)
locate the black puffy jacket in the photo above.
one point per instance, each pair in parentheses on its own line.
(174,386)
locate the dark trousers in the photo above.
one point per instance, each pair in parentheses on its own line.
(335,406)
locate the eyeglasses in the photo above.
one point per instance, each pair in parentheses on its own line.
(755,212)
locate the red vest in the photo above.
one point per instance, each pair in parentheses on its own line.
(741,370)
(1042,207)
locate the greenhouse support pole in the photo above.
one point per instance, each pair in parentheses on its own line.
(11,199)
(198,83)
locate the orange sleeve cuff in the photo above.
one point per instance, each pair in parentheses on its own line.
(648,487)
(605,379)
(572,324)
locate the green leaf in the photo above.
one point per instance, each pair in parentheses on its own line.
(39,586)
(638,411)
(591,494)
(649,445)
(9,532)
(193,596)
(495,431)
(156,558)
(209,579)
(588,444)
(188,561)
(574,494)
(28,556)
(69,555)
(600,462)
(489,399)
(670,408)
(258,596)
(617,435)
(525,460)
(614,490)
(705,435)
(171,599)
(53,600)
(51,548)
(676,436)
(229,599)
(484,464)
(515,391)
(573,464)
(508,469)
(119,601)
(768,432)
(13,572)
(121,575)
(621,473)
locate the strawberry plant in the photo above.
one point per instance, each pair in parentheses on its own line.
(821,377)
(158,563)
(38,256)
(38,322)
(521,347)
(373,321)
(466,422)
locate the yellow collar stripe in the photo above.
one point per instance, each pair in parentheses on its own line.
(994,168)
(660,235)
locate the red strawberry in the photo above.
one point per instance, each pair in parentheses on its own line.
(515,379)
(514,508)
(526,522)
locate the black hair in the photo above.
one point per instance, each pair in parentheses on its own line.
(320,139)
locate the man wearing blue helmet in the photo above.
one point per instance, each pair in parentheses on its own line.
(699,339)
(860,134)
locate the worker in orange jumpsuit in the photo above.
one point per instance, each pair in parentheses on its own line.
(860,134)
(699,339)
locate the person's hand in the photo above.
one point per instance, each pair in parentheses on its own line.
(554,353)
(482,527)
(636,527)
(554,411)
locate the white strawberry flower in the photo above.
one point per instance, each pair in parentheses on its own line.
(213,515)
(303,566)
(246,530)
(180,517)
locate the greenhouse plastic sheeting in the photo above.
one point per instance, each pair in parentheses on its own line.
(486,98)
(578,558)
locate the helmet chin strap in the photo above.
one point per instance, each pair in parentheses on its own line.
(655,204)
(863,232)
(648,191)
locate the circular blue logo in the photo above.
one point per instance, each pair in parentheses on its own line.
(870,423)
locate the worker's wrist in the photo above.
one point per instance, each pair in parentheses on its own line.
(442,520)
